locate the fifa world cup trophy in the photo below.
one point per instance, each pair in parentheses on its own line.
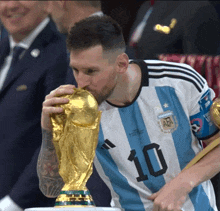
(75,137)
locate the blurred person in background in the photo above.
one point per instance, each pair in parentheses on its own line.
(123,11)
(66,13)
(181,27)
(33,62)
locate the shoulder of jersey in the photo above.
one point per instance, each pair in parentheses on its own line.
(171,70)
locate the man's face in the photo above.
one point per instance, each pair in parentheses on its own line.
(93,72)
(58,15)
(65,14)
(21,17)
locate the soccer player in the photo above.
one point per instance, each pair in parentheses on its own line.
(146,137)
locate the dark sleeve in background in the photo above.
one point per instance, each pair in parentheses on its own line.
(202,30)
(36,198)
(124,12)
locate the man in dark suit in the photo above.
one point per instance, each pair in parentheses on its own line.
(176,27)
(41,67)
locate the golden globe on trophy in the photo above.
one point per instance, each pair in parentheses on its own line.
(215,112)
(75,137)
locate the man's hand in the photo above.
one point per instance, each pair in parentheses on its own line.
(51,100)
(172,196)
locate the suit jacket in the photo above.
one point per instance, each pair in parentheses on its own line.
(197,30)
(21,100)
(20,105)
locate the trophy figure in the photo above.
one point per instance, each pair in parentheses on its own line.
(75,137)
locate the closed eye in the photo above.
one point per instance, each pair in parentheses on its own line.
(75,70)
(90,71)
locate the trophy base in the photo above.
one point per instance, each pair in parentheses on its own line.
(77,198)
(74,209)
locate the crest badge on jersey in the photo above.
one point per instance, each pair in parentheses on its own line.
(167,121)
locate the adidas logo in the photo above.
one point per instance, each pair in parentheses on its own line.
(108,145)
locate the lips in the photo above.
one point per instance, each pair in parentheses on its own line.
(16,16)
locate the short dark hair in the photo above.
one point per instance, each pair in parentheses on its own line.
(96,30)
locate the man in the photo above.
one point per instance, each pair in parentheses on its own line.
(192,28)
(23,86)
(196,31)
(65,14)
(147,111)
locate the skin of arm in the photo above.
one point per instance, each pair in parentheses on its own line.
(173,194)
(50,182)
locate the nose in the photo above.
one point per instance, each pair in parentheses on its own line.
(82,80)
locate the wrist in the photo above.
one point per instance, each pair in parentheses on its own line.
(186,181)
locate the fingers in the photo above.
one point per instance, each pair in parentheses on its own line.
(61,90)
(52,99)
(162,206)
(153,196)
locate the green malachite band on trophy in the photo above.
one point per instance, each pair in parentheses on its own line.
(64,203)
(75,192)
(74,198)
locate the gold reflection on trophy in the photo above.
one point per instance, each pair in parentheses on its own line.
(75,137)
(215,112)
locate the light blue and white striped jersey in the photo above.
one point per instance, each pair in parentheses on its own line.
(145,144)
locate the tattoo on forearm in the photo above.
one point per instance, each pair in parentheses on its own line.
(48,167)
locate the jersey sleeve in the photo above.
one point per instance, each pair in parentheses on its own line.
(200,119)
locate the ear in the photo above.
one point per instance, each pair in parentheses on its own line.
(122,63)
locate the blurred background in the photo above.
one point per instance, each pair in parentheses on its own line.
(179,31)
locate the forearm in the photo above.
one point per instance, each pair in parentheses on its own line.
(203,170)
(50,182)
(174,193)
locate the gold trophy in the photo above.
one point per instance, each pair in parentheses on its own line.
(215,116)
(75,137)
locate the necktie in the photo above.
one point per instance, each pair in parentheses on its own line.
(17,50)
